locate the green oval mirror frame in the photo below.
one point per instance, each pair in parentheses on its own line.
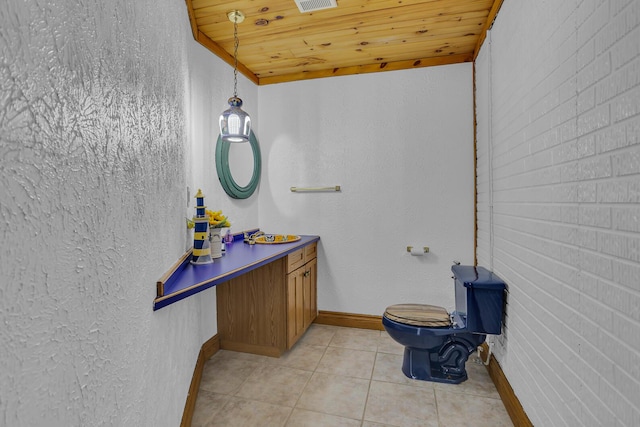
(230,186)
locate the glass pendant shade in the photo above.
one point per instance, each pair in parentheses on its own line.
(235,124)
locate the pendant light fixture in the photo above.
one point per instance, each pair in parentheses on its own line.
(235,124)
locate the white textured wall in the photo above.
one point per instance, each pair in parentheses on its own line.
(559,134)
(401,146)
(104,122)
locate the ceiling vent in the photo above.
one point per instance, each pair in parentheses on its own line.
(313,5)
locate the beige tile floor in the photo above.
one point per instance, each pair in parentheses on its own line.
(339,377)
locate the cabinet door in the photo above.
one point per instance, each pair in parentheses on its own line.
(295,306)
(309,288)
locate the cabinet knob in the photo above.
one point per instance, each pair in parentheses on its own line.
(307,273)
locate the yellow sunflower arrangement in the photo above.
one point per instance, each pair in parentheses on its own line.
(217,220)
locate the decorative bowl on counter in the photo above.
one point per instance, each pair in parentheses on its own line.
(267,239)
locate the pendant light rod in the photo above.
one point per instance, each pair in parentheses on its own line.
(235,124)
(236,17)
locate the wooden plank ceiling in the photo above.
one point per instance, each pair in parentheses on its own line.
(279,44)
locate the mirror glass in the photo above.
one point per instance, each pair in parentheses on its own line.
(241,163)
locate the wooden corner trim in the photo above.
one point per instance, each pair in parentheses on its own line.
(509,399)
(350,320)
(208,349)
(224,55)
(493,12)
(192,18)
(211,347)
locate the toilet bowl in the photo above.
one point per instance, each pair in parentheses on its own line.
(437,343)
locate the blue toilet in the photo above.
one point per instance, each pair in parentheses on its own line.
(437,343)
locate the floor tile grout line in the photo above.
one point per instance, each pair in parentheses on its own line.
(309,379)
(435,400)
(235,394)
(366,401)
(361,419)
(373,369)
(307,383)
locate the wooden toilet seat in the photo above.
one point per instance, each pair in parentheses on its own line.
(424,315)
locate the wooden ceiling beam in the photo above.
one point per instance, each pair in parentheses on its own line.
(329,46)
(367,68)
(311,63)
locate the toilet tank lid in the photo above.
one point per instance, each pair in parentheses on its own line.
(477,277)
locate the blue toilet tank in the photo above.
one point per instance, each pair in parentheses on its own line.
(479,299)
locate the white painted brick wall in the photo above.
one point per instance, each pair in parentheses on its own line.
(558,112)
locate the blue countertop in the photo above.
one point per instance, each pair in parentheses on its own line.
(185,279)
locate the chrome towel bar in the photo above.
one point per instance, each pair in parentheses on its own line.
(311,189)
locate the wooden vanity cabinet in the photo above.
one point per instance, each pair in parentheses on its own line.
(301,292)
(266,310)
